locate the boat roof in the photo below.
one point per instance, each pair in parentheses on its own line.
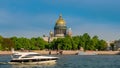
(24,53)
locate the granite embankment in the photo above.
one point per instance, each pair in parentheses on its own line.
(5,52)
(66,52)
(71,52)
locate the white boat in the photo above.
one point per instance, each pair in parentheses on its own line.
(86,53)
(31,58)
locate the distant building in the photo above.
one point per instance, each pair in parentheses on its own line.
(109,47)
(69,32)
(114,45)
(60,30)
(117,45)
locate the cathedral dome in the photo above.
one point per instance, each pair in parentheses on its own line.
(60,21)
(60,27)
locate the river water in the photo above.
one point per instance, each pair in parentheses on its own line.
(72,61)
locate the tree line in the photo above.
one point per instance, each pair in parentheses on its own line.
(67,43)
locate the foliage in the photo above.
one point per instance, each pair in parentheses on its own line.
(29,44)
(1,40)
(67,43)
(76,42)
(7,44)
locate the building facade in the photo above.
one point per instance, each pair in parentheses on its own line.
(60,28)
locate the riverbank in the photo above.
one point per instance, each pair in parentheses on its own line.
(66,52)
(74,52)
(5,52)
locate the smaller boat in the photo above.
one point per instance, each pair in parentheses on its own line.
(83,52)
(31,58)
(86,53)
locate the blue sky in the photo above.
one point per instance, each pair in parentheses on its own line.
(33,18)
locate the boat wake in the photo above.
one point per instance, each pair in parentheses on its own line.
(4,63)
(26,65)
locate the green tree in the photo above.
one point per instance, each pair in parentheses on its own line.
(33,42)
(95,42)
(86,41)
(67,44)
(76,42)
(102,45)
(7,44)
(40,43)
(1,40)
(112,46)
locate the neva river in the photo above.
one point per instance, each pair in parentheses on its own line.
(72,61)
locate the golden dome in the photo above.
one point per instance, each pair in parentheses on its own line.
(60,21)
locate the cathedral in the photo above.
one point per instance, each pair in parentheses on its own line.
(60,30)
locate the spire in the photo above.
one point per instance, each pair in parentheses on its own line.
(60,17)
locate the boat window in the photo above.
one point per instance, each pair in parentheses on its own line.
(33,55)
(16,56)
(27,57)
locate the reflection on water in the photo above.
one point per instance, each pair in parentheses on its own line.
(7,65)
(31,66)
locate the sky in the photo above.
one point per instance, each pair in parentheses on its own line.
(34,18)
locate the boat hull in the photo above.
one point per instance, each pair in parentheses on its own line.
(37,62)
